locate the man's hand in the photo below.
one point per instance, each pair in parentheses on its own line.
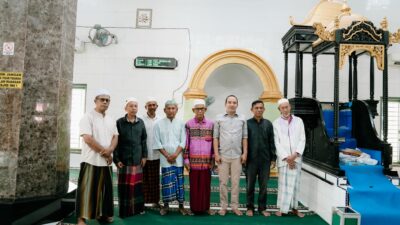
(273,164)
(171,159)
(218,159)
(143,162)
(120,165)
(292,166)
(109,160)
(106,152)
(243,158)
(187,167)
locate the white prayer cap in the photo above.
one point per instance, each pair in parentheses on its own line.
(282,101)
(102,92)
(151,99)
(171,102)
(130,99)
(199,102)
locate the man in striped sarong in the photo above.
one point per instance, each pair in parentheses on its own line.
(94,196)
(290,141)
(170,140)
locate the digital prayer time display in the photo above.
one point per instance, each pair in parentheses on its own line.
(155,63)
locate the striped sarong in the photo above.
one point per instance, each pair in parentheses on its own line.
(94,195)
(151,181)
(172,184)
(130,193)
(288,188)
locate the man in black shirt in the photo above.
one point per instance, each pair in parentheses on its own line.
(261,156)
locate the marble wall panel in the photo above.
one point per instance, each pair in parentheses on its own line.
(34,121)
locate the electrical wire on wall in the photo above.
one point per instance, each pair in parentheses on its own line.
(171,28)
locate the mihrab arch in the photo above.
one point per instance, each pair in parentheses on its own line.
(264,72)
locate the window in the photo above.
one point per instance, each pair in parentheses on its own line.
(77,111)
(394,127)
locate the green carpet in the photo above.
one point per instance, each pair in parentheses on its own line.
(153,217)
(214,201)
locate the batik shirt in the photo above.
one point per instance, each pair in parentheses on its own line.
(199,144)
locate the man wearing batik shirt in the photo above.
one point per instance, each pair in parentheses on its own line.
(199,158)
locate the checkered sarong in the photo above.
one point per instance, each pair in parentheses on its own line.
(151,181)
(130,193)
(288,188)
(172,184)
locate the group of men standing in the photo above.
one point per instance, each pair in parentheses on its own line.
(141,146)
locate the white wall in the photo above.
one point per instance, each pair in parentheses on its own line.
(198,29)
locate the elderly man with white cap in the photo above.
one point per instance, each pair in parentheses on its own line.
(151,172)
(130,158)
(290,141)
(170,140)
(94,198)
(198,157)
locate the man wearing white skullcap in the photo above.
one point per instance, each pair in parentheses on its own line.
(290,141)
(94,199)
(130,158)
(151,172)
(199,157)
(170,140)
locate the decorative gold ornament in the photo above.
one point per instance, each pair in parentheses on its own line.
(384,24)
(395,37)
(324,12)
(376,51)
(351,32)
(337,22)
(322,33)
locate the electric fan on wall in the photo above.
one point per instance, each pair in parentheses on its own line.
(101,36)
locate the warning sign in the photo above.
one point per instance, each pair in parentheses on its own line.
(8,48)
(11,80)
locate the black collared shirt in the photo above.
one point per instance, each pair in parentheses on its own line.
(131,146)
(261,141)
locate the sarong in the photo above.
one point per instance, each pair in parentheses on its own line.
(151,181)
(130,193)
(200,188)
(288,188)
(94,195)
(172,184)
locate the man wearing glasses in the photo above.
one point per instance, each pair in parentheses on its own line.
(199,158)
(94,198)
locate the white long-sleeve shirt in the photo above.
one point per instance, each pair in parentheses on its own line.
(168,135)
(289,138)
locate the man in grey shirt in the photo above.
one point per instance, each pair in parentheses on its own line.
(230,150)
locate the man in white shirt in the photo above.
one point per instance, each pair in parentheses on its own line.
(151,171)
(94,198)
(290,141)
(170,140)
